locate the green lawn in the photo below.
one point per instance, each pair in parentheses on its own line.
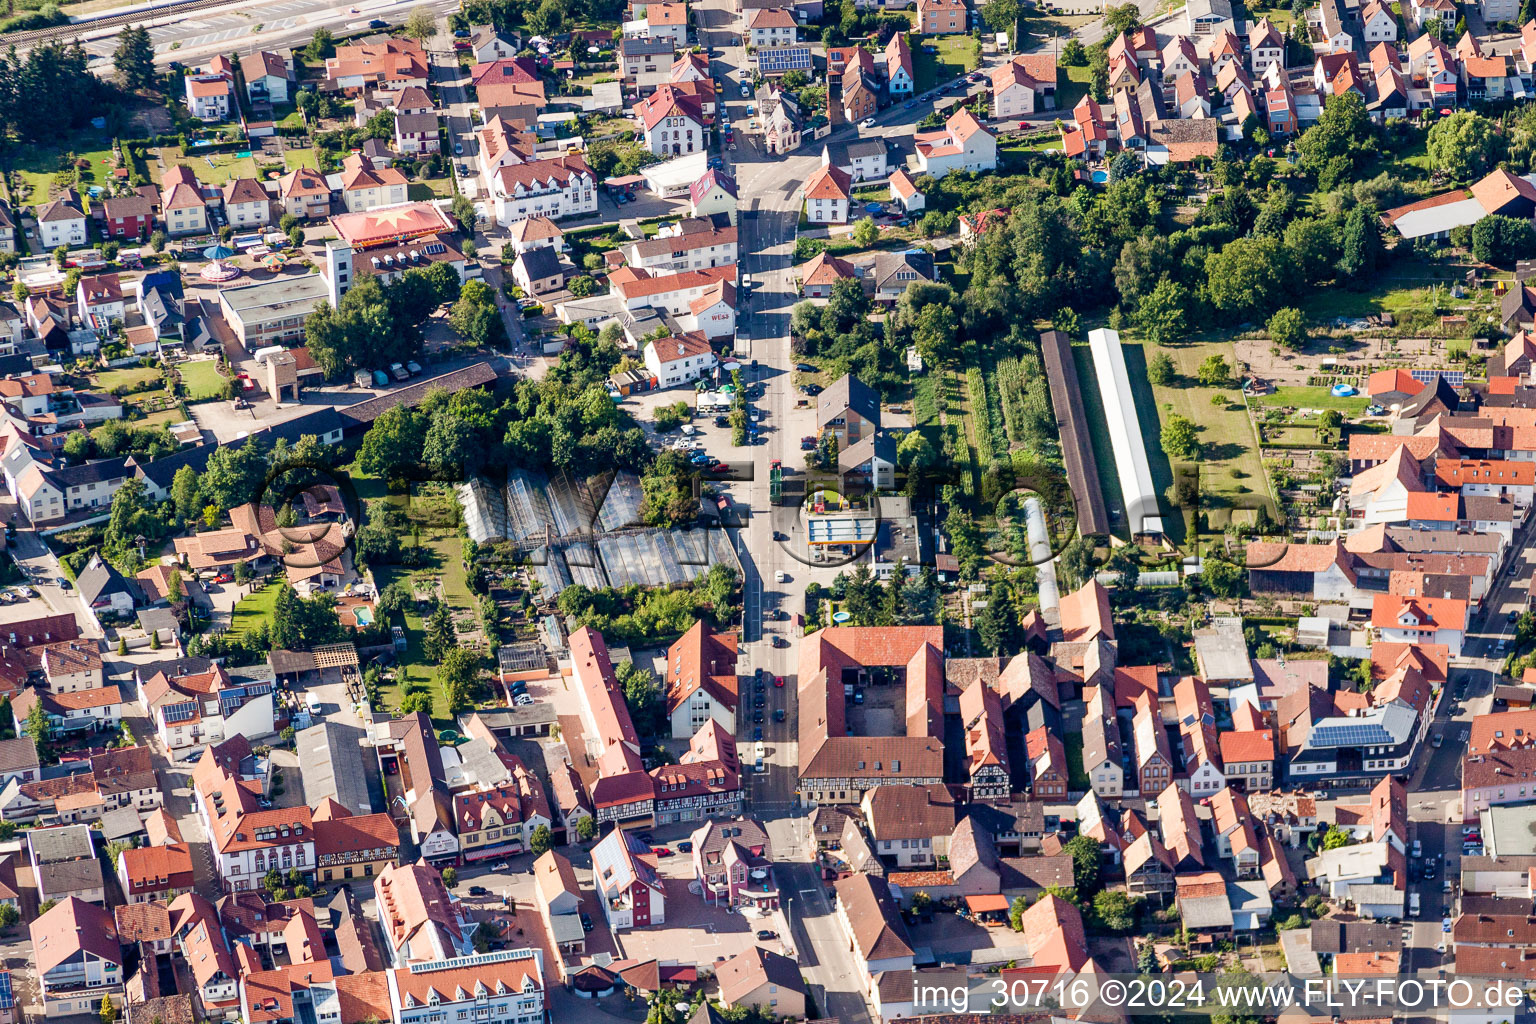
(444,561)
(126,376)
(1072,87)
(211,168)
(254,608)
(1313,398)
(37,165)
(147,397)
(1231,473)
(952,60)
(201,377)
(293,159)
(164,417)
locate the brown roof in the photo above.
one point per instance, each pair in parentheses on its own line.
(910,812)
(746,972)
(143,922)
(878,929)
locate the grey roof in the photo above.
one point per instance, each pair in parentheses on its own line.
(162,309)
(844,394)
(1377,893)
(1223,652)
(877,445)
(1209,8)
(65,843)
(156,619)
(99,579)
(539,262)
(1206,912)
(96,472)
(364,413)
(642,45)
(416,124)
(518,718)
(888,264)
(19,754)
(56,881)
(331,764)
(481,762)
(121,823)
(1333,936)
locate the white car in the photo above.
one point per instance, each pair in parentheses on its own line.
(868,122)
(781,576)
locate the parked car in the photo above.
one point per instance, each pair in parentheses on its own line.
(779,680)
(778,714)
(586,921)
(501,865)
(378,23)
(479,890)
(757,733)
(685,846)
(661,851)
(64,584)
(868,122)
(765,934)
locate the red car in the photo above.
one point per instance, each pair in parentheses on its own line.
(223,577)
(778,680)
(661,851)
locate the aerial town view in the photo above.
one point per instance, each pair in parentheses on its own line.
(756,511)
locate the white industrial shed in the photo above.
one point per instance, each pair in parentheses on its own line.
(1136,488)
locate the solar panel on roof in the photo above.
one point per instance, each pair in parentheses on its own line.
(7,997)
(179,713)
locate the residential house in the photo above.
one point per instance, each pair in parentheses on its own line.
(183,210)
(538,271)
(672,123)
(893,272)
(62,221)
(1024,85)
(246,204)
(827,194)
(771,26)
(733,863)
(304,194)
(630,892)
(910,825)
(679,360)
(363,188)
(557,187)
(701,681)
(899,79)
(872,924)
(78,959)
(764,980)
(963,145)
(942,17)
(422,922)
(268,77)
(207,97)
(130,216)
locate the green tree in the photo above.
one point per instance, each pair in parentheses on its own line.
(1336,837)
(451,877)
(1363,247)
(1073,53)
(1016,913)
(1115,911)
(321,46)
(175,593)
(1163,315)
(1121,18)
(1214,371)
(1221,577)
(1000,15)
(1085,853)
(1343,130)
(1249,275)
(1288,328)
(1503,240)
(1180,438)
(539,842)
(37,724)
(107,1012)
(458,674)
(1464,145)
(440,637)
(1313,246)
(184,493)
(866,232)
(417,701)
(9,915)
(1160,369)
(134,58)
(586,828)
(420,24)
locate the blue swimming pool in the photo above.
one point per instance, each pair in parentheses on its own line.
(1100,177)
(364,615)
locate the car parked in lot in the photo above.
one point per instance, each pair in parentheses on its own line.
(479,890)
(662,851)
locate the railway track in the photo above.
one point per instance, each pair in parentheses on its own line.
(75,28)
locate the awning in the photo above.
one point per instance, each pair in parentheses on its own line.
(983,904)
(494,851)
(1445,87)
